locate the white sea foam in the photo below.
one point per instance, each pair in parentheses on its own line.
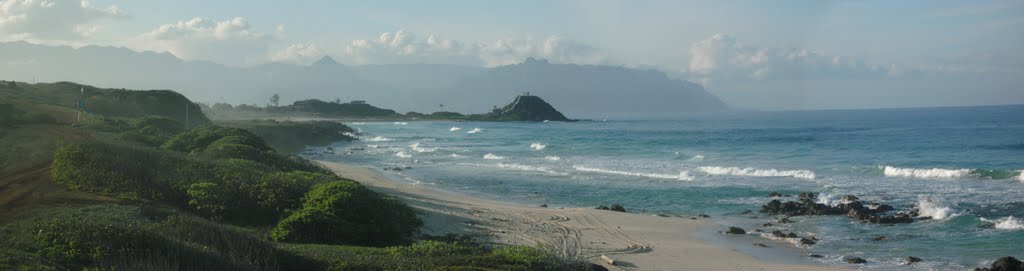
(357,123)
(416,147)
(756,172)
(682,176)
(696,158)
(453,129)
(1006,223)
(922,173)
(930,207)
(403,154)
(491,156)
(379,139)
(401,123)
(456,155)
(373,146)
(553,158)
(538,146)
(529,168)
(475,130)
(1020,177)
(351,134)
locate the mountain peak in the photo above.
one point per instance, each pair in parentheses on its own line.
(325,61)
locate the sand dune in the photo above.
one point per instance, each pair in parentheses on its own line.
(635,241)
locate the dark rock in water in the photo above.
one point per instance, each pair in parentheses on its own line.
(544,205)
(807,242)
(746,212)
(815,256)
(808,196)
(618,208)
(779,234)
(760,245)
(912,260)
(856,260)
(602,207)
(792,235)
(1004,264)
(767,225)
(662,215)
(878,238)
(849,198)
(774,195)
(735,230)
(408,167)
(879,208)
(396,169)
(758,230)
(785,220)
(703,216)
(597,267)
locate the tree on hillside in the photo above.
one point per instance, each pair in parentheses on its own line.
(274,99)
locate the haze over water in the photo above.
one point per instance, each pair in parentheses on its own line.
(959,165)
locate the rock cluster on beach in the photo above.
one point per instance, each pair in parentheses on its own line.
(614,207)
(850,205)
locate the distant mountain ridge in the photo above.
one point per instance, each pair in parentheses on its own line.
(579,90)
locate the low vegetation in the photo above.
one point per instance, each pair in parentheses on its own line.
(195,196)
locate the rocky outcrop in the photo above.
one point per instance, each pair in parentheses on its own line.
(735,230)
(524,108)
(1004,264)
(851,206)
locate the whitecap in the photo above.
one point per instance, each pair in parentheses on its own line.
(456,155)
(553,158)
(922,173)
(929,207)
(373,146)
(357,123)
(416,147)
(538,146)
(1020,177)
(401,123)
(1006,223)
(682,176)
(379,139)
(696,158)
(475,130)
(529,168)
(491,156)
(403,154)
(453,129)
(756,172)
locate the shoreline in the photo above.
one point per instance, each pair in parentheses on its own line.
(635,241)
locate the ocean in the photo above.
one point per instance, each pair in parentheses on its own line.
(961,165)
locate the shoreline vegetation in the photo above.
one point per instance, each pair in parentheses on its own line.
(145,181)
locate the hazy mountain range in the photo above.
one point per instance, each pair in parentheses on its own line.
(577,90)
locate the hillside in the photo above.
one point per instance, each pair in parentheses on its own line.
(133,187)
(524,108)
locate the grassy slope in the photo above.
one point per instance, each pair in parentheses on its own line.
(46,226)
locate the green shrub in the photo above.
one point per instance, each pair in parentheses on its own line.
(208,198)
(283,191)
(345,212)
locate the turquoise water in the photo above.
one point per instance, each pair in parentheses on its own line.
(960,165)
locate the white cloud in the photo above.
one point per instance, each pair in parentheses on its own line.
(52,20)
(298,54)
(723,57)
(231,42)
(404,47)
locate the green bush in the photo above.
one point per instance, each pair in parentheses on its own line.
(208,198)
(283,191)
(345,212)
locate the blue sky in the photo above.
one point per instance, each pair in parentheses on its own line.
(755,54)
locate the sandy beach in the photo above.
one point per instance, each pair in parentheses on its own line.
(634,241)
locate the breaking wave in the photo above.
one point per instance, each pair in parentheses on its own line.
(401,123)
(379,139)
(491,156)
(756,172)
(944,173)
(553,158)
(475,130)
(453,129)
(402,154)
(538,146)
(416,147)
(682,176)
(1006,223)
(929,207)
(932,173)
(529,168)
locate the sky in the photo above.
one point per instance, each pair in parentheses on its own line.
(753,54)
